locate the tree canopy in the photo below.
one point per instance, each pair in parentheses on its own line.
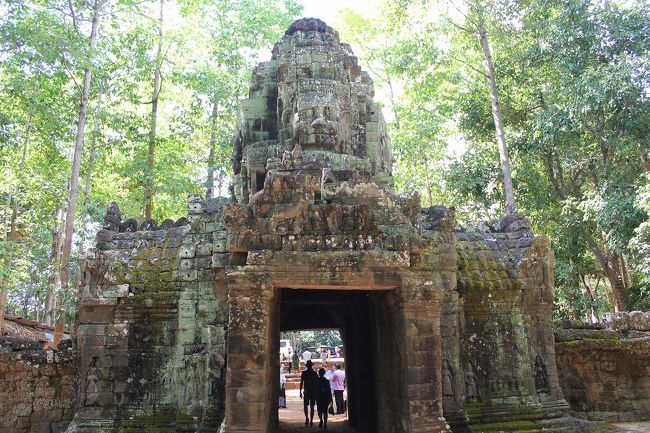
(165,77)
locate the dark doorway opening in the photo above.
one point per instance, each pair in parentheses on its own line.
(370,342)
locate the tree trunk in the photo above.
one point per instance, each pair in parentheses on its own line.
(391,97)
(618,291)
(624,275)
(592,297)
(88,182)
(76,166)
(427,179)
(3,295)
(13,235)
(54,280)
(149,170)
(213,142)
(496,113)
(93,143)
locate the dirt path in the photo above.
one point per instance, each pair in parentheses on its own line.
(292,419)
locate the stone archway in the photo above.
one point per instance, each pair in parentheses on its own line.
(406,317)
(362,317)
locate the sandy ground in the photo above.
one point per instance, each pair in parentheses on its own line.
(643,427)
(292,419)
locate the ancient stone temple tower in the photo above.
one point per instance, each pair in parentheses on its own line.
(313,94)
(443,323)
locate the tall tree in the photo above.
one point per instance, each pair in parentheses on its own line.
(51,39)
(76,160)
(153,124)
(481,29)
(54,279)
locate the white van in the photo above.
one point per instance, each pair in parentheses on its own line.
(285,349)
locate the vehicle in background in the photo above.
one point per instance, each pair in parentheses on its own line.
(330,349)
(285,349)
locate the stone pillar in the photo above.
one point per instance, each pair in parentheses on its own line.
(423,352)
(251,322)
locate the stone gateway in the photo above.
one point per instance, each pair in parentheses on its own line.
(444,324)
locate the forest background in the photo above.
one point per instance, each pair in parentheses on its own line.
(135,101)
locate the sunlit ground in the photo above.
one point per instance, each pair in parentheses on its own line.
(292,419)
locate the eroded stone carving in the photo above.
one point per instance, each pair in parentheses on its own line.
(471,383)
(541,376)
(448,384)
(324,106)
(93,376)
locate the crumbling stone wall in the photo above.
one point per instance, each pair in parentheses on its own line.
(499,360)
(37,387)
(151,323)
(604,368)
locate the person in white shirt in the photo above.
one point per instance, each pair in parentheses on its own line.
(338,386)
(330,372)
(306,355)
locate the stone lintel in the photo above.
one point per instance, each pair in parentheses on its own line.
(366,259)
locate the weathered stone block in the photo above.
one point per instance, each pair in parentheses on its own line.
(187,251)
(220,260)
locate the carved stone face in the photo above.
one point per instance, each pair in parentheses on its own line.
(317,122)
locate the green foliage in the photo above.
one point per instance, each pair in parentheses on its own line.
(209,47)
(573,79)
(640,250)
(307,339)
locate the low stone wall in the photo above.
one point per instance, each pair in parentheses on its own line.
(36,387)
(604,368)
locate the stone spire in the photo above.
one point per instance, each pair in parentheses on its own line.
(312,95)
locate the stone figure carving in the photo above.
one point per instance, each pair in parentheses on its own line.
(541,376)
(291,158)
(448,385)
(286,159)
(216,372)
(471,383)
(92,386)
(296,154)
(511,382)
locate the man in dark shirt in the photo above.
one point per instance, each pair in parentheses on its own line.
(323,398)
(308,378)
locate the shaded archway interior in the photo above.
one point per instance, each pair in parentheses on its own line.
(369,334)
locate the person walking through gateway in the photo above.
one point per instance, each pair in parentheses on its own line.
(308,378)
(338,386)
(306,356)
(323,398)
